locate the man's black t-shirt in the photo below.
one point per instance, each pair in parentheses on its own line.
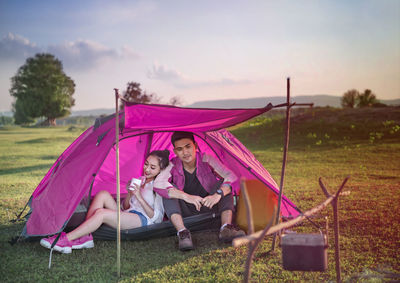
(192,185)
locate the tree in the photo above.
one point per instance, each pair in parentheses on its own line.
(176,101)
(349,98)
(134,93)
(366,99)
(6,121)
(41,89)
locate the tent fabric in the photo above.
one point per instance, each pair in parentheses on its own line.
(87,166)
(167,118)
(67,182)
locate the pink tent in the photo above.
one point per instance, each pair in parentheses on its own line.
(87,166)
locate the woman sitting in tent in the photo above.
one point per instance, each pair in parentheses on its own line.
(141,207)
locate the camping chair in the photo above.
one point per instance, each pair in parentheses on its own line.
(263,203)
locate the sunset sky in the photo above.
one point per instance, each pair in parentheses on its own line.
(202,50)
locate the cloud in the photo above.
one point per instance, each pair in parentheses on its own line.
(128,52)
(16,47)
(179,80)
(163,73)
(86,54)
(77,55)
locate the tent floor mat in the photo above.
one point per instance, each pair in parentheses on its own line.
(204,221)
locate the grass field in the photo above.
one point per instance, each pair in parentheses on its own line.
(325,142)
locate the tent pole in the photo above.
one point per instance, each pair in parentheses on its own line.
(118,185)
(285,149)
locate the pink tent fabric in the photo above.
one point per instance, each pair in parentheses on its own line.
(87,166)
(169,118)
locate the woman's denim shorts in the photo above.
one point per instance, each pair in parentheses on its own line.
(143,218)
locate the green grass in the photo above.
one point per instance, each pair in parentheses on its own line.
(328,143)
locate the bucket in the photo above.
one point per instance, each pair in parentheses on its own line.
(304,252)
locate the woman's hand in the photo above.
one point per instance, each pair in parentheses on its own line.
(134,189)
(125,203)
(128,190)
(137,192)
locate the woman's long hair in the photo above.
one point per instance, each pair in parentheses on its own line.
(162,156)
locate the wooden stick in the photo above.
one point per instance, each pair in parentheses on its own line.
(118,186)
(285,149)
(323,187)
(336,224)
(285,105)
(246,239)
(250,230)
(252,248)
(254,239)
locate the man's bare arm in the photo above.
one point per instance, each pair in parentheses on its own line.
(193,199)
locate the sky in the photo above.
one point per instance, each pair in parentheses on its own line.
(206,50)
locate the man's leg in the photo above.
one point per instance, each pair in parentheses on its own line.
(177,209)
(226,217)
(177,221)
(173,210)
(225,208)
(228,232)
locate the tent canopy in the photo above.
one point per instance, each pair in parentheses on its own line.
(88,166)
(170,118)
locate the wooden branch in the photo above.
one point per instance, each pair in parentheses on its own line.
(342,186)
(284,160)
(336,230)
(338,192)
(246,239)
(254,239)
(293,104)
(118,184)
(284,105)
(252,246)
(323,188)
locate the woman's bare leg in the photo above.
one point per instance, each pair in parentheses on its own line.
(102,199)
(106,216)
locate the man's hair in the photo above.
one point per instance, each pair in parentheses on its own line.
(181,135)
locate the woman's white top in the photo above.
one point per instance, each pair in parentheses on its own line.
(153,199)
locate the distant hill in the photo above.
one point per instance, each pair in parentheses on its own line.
(255,102)
(318,100)
(82,113)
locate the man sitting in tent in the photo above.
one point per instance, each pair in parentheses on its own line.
(195,183)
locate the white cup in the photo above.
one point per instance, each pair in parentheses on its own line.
(134,182)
